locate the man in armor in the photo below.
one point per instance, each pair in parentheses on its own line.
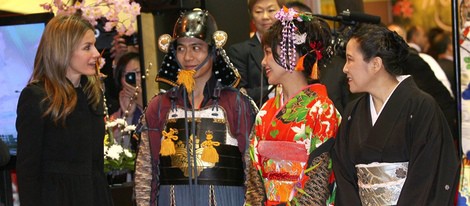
(193,136)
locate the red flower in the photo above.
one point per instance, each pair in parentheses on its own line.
(403,8)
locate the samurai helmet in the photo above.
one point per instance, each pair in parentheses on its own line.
(197,24)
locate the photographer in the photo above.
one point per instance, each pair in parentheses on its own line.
(127,77)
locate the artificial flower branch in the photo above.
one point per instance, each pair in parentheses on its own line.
(118,14)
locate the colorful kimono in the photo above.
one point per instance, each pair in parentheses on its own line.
(289,150)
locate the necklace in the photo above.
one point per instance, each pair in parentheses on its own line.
(126,112)
(131,101)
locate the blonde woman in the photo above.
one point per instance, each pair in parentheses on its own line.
(60,121)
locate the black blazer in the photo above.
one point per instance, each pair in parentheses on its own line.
(246,56)
(56,164)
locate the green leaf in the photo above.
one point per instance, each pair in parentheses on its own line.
(466,59)
(274,133)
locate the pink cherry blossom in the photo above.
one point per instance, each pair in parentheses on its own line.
(119,14)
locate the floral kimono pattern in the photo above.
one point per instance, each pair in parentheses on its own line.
(283,140)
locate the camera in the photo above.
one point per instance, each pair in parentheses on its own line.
(131,40)
(130,78)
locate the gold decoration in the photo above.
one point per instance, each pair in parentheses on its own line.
(186,77)
(168,146)
(164,42)
(180,159)
(209,154)
(220,38)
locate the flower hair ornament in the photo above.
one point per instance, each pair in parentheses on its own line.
(290,35)
(316,47)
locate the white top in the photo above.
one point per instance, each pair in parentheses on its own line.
(438,71)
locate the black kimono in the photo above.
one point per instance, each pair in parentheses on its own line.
(411,128)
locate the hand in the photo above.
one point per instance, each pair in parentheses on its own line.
(128,91)
(118,48)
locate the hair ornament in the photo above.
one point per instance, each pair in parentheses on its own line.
(287,16)
(316,48)
(290,35)
(300,38)
(300,63)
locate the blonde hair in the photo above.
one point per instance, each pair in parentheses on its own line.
(58,42)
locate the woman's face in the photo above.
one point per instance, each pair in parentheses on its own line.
(359,72)
(263,14)
(84,57)
(133,66)
(275,73)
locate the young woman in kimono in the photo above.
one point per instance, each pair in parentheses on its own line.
(394,146)
(289,159)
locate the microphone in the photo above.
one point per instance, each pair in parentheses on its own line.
(351,18)
(360,17)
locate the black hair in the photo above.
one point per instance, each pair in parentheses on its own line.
(301,6)
(378,41)
(411,32)
(433,32)
(121,67)
(439,44)
(318,33)
(251,4)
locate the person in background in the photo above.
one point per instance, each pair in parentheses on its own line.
(431,34)
(298,6)
(417,38)
(121,44)
(443,51)
(288,161)
(128,81)
(246,56)
(195,134)
(418,41)
(60,121)
(394,146)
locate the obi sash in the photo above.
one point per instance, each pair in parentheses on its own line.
(175,170)
(381,183)
(283,166)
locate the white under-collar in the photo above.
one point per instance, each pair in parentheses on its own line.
(258,36)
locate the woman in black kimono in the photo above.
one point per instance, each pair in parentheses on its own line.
(394,145)
(60,121)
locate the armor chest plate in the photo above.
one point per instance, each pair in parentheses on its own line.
(194,136)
